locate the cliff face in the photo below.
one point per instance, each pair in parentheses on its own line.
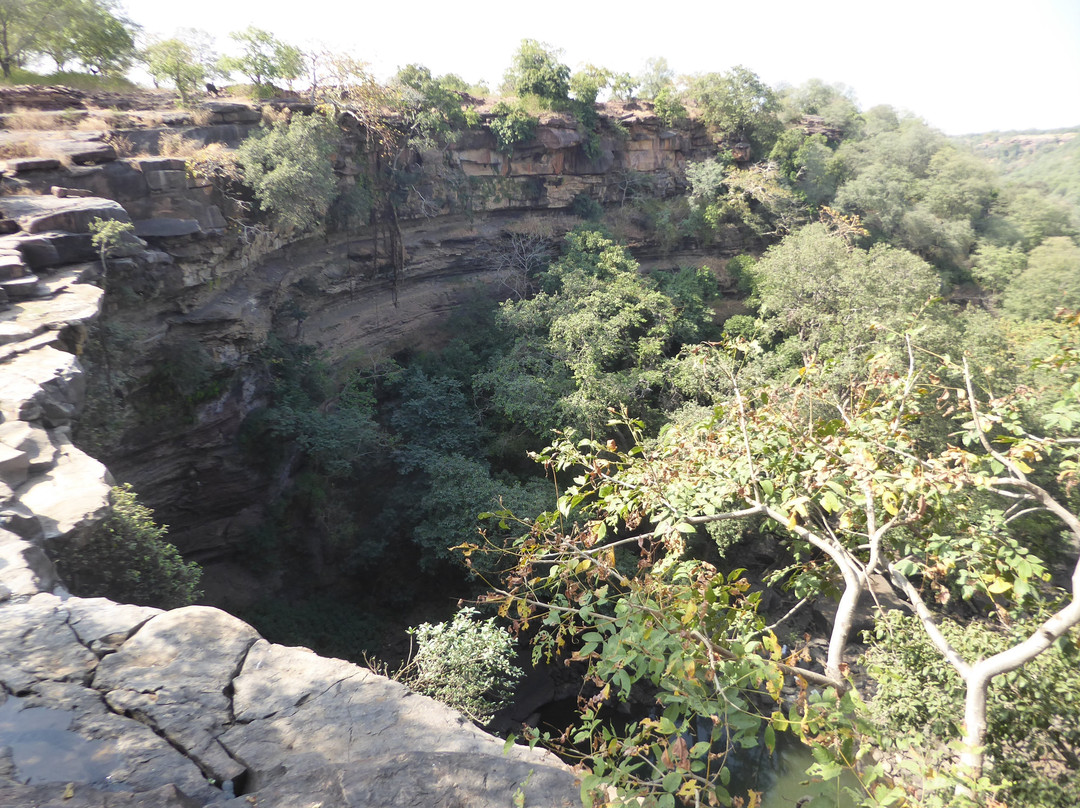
(103,704)
(207,287)
(190,707)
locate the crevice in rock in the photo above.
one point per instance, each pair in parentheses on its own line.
(229,691)
(212,777)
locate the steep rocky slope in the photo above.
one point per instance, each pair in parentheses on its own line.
(104,704)
(210,280)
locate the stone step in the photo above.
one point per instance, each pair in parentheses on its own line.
(11,265)
(14,466)
(24,288)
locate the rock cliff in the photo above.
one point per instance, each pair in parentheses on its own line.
(103,704)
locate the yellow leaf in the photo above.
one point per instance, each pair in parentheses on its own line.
(69,791)
(889,502)
(1024,467)
(998,586)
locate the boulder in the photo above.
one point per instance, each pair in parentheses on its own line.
(38,214)
(25,570)
(166,228)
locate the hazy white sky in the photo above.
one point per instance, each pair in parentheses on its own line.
(963,65)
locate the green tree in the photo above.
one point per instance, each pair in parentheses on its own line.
(26,27)
(185,61)
(128,559)
(831,306)
(1050,281)
(833,103)
(265,58)
(623,86)
(598,333)
(511,124)
(536,70)
(656,77)
(587,83)
(845,481)
(290,167)
(739,105)
(94,33)
(431,108)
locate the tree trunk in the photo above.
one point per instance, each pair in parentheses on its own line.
(971,757)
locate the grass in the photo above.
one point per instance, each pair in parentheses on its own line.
(19,148)
(78,81)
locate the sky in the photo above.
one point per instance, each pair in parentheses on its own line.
(964,66)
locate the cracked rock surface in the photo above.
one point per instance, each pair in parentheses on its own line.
(105,705)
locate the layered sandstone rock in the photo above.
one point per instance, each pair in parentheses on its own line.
(106,705)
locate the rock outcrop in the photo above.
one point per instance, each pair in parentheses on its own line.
(105,705)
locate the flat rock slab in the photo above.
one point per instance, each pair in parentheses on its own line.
(174,674)
(38,214)
(299,716)
(166,228)
(39,645)
(45,383)
(73,303)
(83,152)
(23,165)
(68,499)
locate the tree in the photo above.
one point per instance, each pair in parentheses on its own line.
(587,83)
(832,305)
(25,26)
(848,484)
(536,70)
(291,169)
(265,58)
(92,32)
(431,108)
(739,105)
(1050,281)
(656,77)
(599,332)
(185,61)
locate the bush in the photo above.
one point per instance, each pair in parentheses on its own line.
(291,170)
(586,207)
(127,559)
(466,664)
(511,125)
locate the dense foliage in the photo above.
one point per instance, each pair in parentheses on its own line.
(127,559)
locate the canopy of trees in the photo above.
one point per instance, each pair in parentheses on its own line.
(93,33)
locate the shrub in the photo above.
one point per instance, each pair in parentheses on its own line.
(466,664)
(586,207)
(127,559)
(511,125)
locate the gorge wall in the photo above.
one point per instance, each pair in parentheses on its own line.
(133,706)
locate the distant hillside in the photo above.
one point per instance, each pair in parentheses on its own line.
(1050,160)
